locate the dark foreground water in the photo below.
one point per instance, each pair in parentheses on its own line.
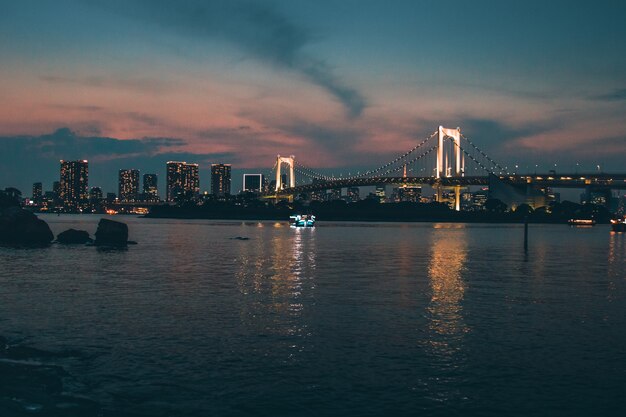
(343,320)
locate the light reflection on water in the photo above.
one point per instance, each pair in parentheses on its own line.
(447,260)
(343,319)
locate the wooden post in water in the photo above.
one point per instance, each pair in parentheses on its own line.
(525,233)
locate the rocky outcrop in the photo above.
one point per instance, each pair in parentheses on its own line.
(111,233)
(21,227)
(73,236)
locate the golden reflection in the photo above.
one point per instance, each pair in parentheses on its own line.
(445,270)
(276,275)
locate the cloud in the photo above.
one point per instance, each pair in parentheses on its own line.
(65,144)
(27,159)
(254,27)
(494,133)
(138,84)
(618,94)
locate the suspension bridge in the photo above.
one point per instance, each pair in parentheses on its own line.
(444,160)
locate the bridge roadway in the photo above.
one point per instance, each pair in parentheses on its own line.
(578,180)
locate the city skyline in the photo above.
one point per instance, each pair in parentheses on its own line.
(542,83)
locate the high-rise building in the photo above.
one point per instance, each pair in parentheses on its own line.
(128,185)
(37,192)
(73,184)
(183,181)
(253,182)
(150,187)
(220,179)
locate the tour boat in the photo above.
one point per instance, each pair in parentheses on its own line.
(619,225)
(302,220)
(581,222)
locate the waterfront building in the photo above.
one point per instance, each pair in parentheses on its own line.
(380,193)
(128,185)
(56,189)
(410,194)
(74,183)
(334,194)
(317,195)
(150,187)
(37,192)
(353,194)
(183,181)
(220,179)
(95,194)
(253,182)
(480,198)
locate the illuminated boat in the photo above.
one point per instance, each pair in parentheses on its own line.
(581,222)
(302,220)
(619,225)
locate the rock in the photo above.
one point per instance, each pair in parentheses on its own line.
(111,233)
(73,236)
(21,227)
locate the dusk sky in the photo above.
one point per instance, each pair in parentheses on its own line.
(339,84)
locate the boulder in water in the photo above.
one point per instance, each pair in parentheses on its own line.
(21,227)
(73,236)
(111,233)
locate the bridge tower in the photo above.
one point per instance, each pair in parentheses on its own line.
(443,165)
(447,168)
(280,160)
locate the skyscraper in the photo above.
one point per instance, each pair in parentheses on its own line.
(220,179)
(150,189)
(128,185)
(74,183)
(183,181)
(253,182)
(37,192)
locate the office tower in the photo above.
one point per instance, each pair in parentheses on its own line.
(37,192)
(253,182)
(183,182)
(220,179)
(128,185)
(150,190)
(74,183)
(353,194)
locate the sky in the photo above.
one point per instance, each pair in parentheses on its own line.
(341,84)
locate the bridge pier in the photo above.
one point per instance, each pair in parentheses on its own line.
(439,194)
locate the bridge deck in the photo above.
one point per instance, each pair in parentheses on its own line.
(600,180)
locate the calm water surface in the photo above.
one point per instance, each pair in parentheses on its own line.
(344,319)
